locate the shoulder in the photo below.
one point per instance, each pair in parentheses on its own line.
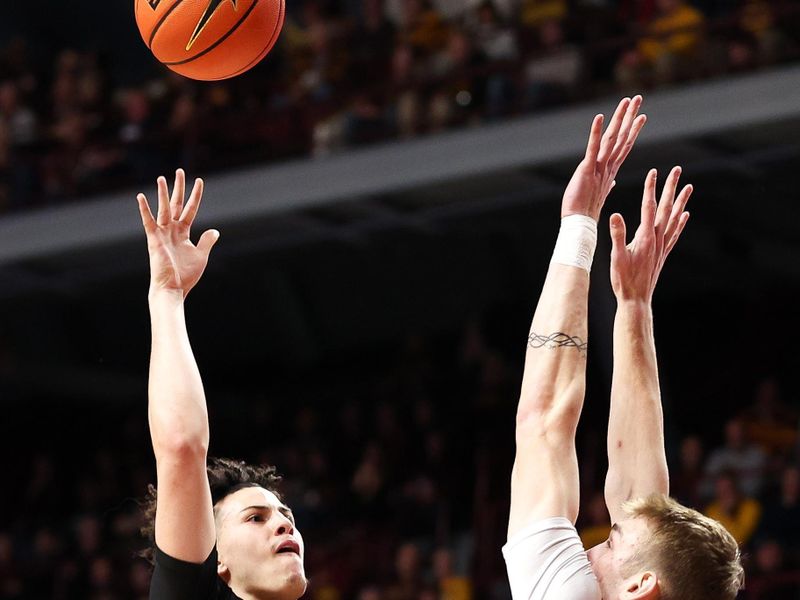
(175,579)
(546,560)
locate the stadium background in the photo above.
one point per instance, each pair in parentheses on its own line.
(387,192)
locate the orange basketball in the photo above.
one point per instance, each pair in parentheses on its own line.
(209,39)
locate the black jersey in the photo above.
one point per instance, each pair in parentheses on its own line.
(175,579)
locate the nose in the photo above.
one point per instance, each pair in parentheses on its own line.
(283,525)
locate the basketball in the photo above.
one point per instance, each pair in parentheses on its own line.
(209,39)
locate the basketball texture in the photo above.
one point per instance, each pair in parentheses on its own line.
(209,39)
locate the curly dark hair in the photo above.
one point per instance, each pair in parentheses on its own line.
(225,476)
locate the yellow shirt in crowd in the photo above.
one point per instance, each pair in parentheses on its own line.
(742,524)
(676,33)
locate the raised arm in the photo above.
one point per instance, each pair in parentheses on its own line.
(544,481)
(636,457)
(177,408)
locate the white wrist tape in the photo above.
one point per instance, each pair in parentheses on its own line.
(576,242)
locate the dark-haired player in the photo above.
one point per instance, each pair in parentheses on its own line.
(220,530)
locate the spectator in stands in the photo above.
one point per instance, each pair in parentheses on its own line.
(408,582)
(11,585)
(497,42)
(19,118)
(182,128)
(535,13)
(405,106)
(138,135)
(769,422)
(770,579)
(738,513)
(781,520)
(63,162)
(554,71)
(423,28)
(45,553)
(101,579)
(638,13)
(370,592)
(687,479)
(365,120)
(495,38)
(19,133)
(139,581)
(369,478)
(64,88)
(460,94)
(93,94)
(327,64)
(296,34)
(757,19)
(450,584)
(372,45)
(738,455)
(668,50)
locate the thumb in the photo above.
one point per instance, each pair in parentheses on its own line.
(207,241)
(618,234)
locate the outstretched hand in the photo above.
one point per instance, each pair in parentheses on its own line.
(593,179)
(176,264)
(635,267)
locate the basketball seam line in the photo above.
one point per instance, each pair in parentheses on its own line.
(267,48)
(161,22)
(218,42)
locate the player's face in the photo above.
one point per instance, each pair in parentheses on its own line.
(608,559)
(260,549)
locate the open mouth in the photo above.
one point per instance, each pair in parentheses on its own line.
(288,547)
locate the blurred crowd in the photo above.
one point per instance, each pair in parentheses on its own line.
(351,72)
(397,469)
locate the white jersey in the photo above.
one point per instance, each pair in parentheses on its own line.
(546,561)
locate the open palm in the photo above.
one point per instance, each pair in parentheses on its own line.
(176,264)
(635,267)
(593,179)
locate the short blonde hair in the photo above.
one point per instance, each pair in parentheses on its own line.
(694,557)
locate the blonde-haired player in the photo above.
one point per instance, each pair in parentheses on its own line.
(658,549)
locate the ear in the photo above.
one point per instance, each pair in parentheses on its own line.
(642,586)
(223,572)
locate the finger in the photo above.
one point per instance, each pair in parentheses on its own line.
(665,205)
(163,202)
(684,218)
(178,193)
(207,241)
(193,204)
(618,234)
(627,125)
(147,216)
(595,135)
(610,137)
(636,129)
(678,211)
(649,202)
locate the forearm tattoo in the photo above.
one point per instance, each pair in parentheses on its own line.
(557,340)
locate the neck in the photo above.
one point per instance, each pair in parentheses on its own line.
(261,595)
